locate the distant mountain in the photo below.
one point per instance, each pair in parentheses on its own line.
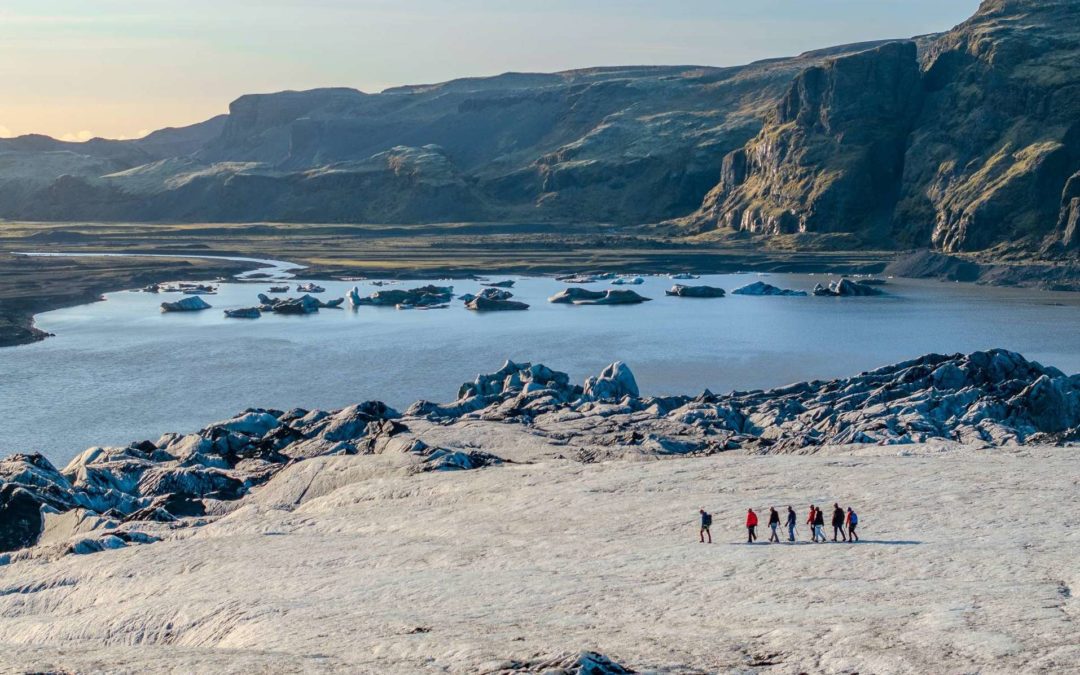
(967,140)
(628,145)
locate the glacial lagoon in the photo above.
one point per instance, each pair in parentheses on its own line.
(120,370)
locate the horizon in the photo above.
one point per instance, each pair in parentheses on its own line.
(77,72)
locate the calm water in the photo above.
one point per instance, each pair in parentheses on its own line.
(120,370)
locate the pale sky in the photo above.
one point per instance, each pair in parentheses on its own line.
(119,68)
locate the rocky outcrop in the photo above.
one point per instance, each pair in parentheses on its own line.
(176,477)
(998,136)
(189,304)
(967,146)
(830,157)
(615,382)
(1069,214)
(584,663)
(762,288)
(995,397)
(680,291)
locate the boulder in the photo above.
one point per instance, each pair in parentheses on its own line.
(309,287)
(440,459)
(506,283)
(762,288)
(680,291)
(253,423)
(615,381)
(193,303)
(21,521)
(62,526)
(627,281)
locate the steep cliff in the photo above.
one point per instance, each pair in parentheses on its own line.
(966,144)
(831,156)
(999,133)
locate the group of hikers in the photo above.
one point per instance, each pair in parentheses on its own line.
(843,523)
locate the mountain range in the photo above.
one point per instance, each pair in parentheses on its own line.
(967,140)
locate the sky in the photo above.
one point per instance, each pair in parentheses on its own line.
(75,69)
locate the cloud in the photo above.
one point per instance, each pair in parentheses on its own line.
(78,137)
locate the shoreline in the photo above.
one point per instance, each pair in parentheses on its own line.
(35,285)
(467,259)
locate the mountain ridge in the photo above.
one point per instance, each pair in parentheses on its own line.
(960,141)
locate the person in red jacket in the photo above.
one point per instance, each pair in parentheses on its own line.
(751,525)
(810,521)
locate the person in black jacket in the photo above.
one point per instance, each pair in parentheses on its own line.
(819,525)
(706,523)
(790,524)
(774,522)
(838,522)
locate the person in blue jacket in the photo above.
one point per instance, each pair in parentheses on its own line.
(852,520)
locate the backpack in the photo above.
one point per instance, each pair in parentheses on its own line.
(706,520)
(854,518)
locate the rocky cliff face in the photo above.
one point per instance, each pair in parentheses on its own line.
(967,146)
(831,157)
(999,133)
(627,145)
